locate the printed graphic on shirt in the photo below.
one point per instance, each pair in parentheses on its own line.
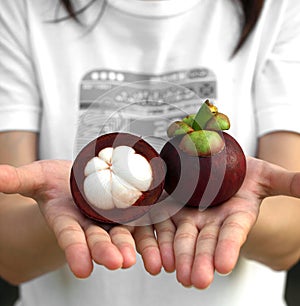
(139,103)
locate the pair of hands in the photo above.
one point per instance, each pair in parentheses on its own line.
(193,243)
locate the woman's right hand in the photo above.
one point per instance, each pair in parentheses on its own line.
(82,241)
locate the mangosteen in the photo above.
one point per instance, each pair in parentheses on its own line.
(116,178)
(205,165)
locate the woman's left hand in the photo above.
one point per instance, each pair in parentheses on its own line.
(196,243)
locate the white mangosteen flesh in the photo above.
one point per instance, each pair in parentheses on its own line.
(116,178)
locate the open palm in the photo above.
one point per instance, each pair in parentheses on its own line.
(82,240)
(196,243)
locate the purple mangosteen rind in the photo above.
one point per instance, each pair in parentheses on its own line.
(187,177)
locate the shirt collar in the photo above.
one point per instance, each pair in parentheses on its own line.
(154,8)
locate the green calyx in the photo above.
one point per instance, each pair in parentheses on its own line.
(201,131)
(202,143)
(218,122)
(179,128)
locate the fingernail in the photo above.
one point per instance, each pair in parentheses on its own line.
(224,274)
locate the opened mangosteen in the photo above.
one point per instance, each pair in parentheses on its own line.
(205,165)
(116,178)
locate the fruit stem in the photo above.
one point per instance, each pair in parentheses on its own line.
(203,115)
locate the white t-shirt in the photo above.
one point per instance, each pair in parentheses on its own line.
(70,84)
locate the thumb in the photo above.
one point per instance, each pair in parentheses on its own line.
(281,181)
(26,180)
(288,184)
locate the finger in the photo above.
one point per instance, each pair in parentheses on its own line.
(165,236)
(275,179)
(203,266)
(283,182)
(22,180)
(102,249)
(122,238)
(147,246)
(184,250)
(232,236)
(31,179)
(71,239)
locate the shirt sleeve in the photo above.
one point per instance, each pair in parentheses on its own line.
(19,94)
(277,84)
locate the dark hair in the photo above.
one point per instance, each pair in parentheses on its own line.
(251,11)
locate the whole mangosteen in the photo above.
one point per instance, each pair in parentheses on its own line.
(205,165)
